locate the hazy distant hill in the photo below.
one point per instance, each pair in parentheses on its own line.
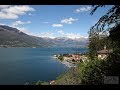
(68,42)
(12,37)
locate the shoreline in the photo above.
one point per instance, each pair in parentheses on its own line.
(65,62)
(68,64)
(71,60)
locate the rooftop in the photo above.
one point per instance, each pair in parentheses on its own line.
(104,51)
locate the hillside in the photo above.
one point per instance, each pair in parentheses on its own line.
(12,37)
(68,42)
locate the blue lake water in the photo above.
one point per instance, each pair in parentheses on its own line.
(21,65)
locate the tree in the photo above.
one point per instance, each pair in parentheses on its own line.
(97,42)
(114,58)
(93,45)
(110,19)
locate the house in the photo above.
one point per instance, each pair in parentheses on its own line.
(102,54)
(52,82)
(75,57)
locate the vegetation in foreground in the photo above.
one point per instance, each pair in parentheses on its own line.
(94,71)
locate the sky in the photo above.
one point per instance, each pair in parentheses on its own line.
(73,21)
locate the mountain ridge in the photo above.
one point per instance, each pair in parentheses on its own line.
(12,37)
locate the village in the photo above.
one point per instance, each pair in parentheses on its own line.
(81,57)
(76,58)
(72,58)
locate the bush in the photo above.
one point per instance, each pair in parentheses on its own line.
(92,72)
(42,83)
(113,64)
(86,73)
(61,58)
(71,77)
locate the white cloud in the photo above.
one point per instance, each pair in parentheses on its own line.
(4,6)
(2,24)
(13,11)
(83,9)
(73,35)
(25,30)
(18,10)
(16,23)
(46,34)
(8,16)
(70,35)
(69,20)
(57,25)
(61,32)
(21,29)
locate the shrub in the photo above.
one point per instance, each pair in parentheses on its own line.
(92,72)
(42,83)
(71,77)
(61,58)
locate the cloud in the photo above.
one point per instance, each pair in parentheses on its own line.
(61,32)
(70,35)
(2,24)
(57,25)
(4,6)
(46,34)
(25,30)
(83,9)
(69,20)
(21,29)
(16,23)
(73,35)
(14,11)
(8,16)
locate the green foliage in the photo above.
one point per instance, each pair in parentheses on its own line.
(110,18)
(71,77)
(42,83)
(113,63)
(92,72)
(97,42)
(93,44)
(39,83)
(113,60)
(115,37)
(89,72)
(61,58)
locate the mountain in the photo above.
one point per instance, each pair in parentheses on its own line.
(68,42)
(12,37)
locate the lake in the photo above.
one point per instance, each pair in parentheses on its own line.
(21,65)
